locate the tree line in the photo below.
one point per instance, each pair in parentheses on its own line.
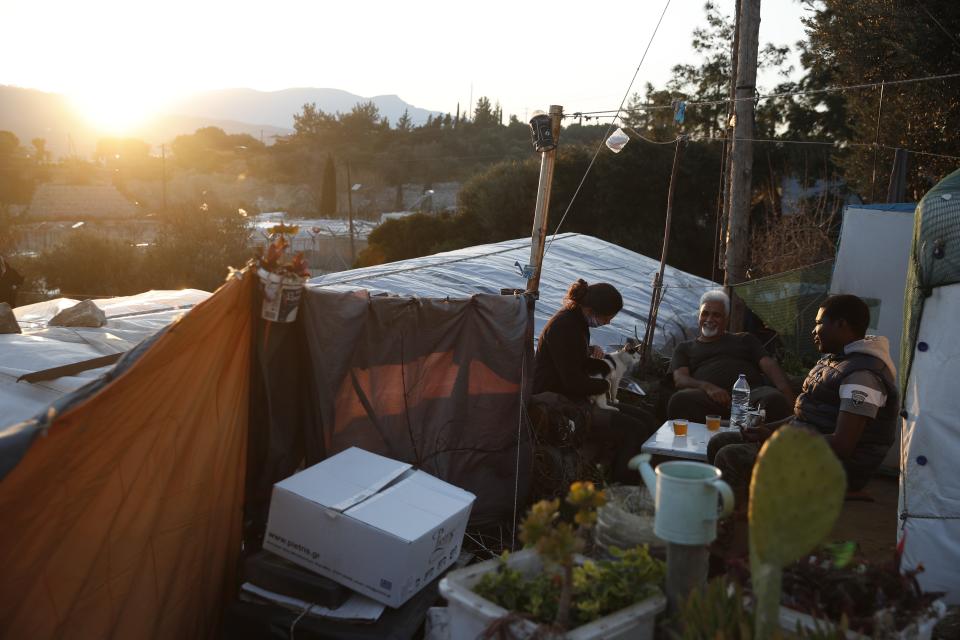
(835,145)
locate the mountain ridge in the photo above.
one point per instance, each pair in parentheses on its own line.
(33,113)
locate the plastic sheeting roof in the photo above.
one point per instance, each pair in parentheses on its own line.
(490,267)
(130,319)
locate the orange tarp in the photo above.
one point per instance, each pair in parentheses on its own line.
(124,520)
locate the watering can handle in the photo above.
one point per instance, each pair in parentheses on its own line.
(726,498)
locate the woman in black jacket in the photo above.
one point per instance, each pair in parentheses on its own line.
(566,361)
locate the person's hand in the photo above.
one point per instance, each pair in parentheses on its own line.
(596,352)
(758,433)
(715,393)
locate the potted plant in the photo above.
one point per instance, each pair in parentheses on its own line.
(796,494)
(873,600)
(550,590)
(826,595)
(281,277)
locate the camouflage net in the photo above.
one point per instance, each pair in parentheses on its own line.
(787,303)
(934,259)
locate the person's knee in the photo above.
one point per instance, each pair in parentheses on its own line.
(686,403)
(719,441)
(777,406)
(735,461)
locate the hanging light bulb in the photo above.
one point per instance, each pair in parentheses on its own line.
(617,140)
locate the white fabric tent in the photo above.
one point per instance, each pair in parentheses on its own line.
(930,484)
(491,267)
(929,504)
(870,231)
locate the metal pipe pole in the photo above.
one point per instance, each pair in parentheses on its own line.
(658,279)
(541,210)
(353,251)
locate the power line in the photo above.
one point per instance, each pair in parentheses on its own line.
(937,22)
(827,143)
(769,96)
(609,128)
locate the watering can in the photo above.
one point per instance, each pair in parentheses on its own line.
(685,494)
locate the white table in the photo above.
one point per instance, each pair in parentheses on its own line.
(692,446)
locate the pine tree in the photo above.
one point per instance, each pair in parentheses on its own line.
(328,190)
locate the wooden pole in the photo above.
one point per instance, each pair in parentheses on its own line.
(539,235)
(686,570)
(658,279)
(353,250)
(163,177)
(741,174)
(727,157)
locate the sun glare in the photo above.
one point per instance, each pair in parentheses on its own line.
(115,109)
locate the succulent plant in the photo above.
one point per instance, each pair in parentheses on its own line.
(795,497)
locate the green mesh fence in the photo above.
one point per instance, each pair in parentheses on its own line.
(934,259)
(787,303)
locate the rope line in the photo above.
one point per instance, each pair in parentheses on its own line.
(516,474)
(607,134)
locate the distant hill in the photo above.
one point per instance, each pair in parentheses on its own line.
(276,108)
(30,113)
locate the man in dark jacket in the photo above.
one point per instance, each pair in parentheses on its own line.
(850,397)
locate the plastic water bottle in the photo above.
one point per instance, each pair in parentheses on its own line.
(739,402)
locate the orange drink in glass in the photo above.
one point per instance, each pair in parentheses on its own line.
(679,427)
(713,423)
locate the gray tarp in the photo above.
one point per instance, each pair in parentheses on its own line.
(438,383)
(489,267)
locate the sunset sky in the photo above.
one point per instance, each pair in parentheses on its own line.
(121,60)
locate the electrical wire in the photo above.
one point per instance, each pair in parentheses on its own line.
(785,94)
(937,22)
(827,143)
(607,134)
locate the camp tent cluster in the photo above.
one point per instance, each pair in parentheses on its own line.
(127,492)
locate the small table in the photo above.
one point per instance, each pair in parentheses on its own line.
(692,446)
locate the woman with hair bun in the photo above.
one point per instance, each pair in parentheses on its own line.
(565,362)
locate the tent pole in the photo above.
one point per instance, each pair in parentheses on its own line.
(658,279)
(539,236)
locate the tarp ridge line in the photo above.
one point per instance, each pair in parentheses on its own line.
(436,264)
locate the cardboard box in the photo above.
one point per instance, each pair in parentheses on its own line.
(371,523)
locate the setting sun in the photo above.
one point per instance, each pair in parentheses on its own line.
(116,108)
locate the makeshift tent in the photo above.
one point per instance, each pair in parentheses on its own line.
(870,231)
(929,504)
(124,502)
(489,268)
(435,382)
(130,319)
(121,503)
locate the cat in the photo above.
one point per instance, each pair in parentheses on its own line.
(618,364)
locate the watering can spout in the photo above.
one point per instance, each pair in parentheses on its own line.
(641,463)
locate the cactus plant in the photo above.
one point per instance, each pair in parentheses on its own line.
(795,497)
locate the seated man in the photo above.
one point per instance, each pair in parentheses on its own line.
(705,369)
(850,396)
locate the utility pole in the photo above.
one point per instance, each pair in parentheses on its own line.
(163,177)
(353,250)
(741,167)
(539,236)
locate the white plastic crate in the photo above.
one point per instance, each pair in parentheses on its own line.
(470,614)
